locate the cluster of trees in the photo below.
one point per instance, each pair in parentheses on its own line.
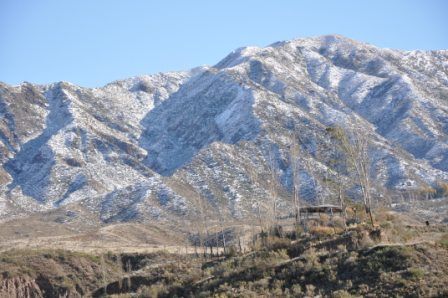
(352,156)
(353,148)
(206,238)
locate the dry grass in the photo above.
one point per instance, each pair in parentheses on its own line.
(307,266)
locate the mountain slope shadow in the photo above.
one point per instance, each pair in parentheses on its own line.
(31,166)
(210,107)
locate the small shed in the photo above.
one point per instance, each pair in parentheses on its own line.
(321,209)
(311,211)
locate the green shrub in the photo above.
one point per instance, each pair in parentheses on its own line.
(338,223)
(155,290)
(7,274)
(296,290)
(322,231)
(387,225)
(386,259)
(276,243)
(341,294)
(444,240)
(416,273)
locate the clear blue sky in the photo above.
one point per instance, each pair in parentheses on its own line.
(92,42)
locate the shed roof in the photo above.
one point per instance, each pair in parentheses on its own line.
(321,209)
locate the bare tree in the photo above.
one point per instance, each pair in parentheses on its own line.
(240,246)
(221,215)
(294,155)
(223,235)
(201,223)
(196,246)
(252,173)
(309,166)
(356,145)
(128,270)
(273,184)
(443,188)
(336,182)
(341,199)
(103,274)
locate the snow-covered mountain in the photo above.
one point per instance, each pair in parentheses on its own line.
(154,146)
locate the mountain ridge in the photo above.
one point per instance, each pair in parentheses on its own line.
(150,146)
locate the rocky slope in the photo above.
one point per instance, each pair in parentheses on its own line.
(154,147)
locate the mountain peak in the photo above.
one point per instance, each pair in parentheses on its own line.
(147,146)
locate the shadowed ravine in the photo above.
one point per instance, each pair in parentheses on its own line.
(31,166)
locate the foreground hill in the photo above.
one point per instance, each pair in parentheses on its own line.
(152,147)
(359,262)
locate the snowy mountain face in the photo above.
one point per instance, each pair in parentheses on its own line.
(153,147)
